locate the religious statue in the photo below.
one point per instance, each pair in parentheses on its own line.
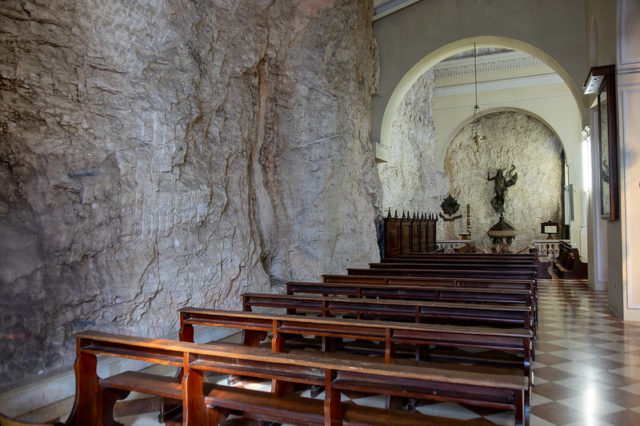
(501,183)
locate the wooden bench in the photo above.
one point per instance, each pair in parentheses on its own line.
(432,281)
(447,273)
(465,260)
(529,267)
(333,331)
(512,315)
(504,259)
(432,293)
(207,404)
(488,256)
(414,292)
(530,285)
(568,263)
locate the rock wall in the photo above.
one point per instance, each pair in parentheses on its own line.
(162,153)
(410,179)
(513,138)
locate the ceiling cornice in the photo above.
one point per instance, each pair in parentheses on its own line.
(382,8)
(509,61)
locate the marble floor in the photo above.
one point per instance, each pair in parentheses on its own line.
(587,368)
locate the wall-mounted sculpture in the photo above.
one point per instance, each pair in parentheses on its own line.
(450,207)
(502,233)
(501,183)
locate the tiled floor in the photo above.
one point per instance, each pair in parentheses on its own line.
(587,368)
(588,362)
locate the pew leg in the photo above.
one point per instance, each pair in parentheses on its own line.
(527,406)
(522,408)
(252,337)
(194,410)
(332,402)
(169,411)
(394,402)
(280,387)
(315,391)
(328,344)
(87,407)
(109,399)
(216,416)
(423,353)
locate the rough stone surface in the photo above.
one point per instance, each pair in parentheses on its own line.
(162,153)
(512,138)
(410,179)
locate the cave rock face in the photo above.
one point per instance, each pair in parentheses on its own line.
(410,178)
(157,154)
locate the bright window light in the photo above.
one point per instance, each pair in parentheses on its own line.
(586,160)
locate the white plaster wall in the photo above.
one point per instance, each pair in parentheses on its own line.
(605,271)
(628,85)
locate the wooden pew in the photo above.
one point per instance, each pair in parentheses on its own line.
(390,334)
(207,404)
(432,281)
(522,284)
(513,315)
(447,273)
(568,263)
(516,257)
(414,292)
(433,293)
(529,260)
(529,267)
(505,259)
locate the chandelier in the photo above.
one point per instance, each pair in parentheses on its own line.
(475,123)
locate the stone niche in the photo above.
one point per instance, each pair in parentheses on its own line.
(513,138)
(410,179)
(157,154)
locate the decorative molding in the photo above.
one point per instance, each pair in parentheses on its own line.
(489,86)
(384,8)
(508,61)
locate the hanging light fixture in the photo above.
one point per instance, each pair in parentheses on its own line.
(475,123)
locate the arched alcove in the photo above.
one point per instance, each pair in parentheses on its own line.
(513,138)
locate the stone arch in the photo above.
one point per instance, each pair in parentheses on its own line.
(449,49)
